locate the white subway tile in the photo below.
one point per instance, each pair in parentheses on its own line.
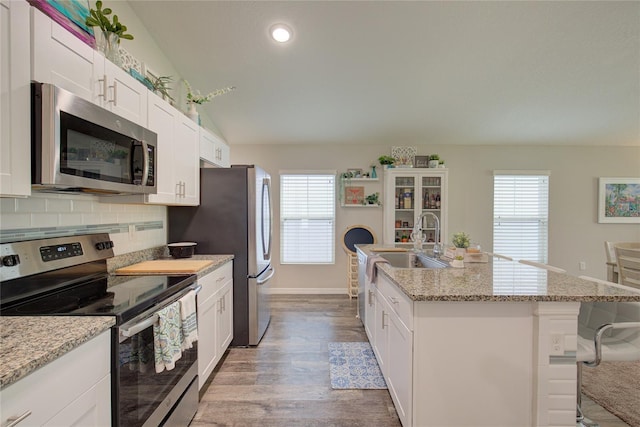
(31,204)
(7,205)
(58,205)
(91,219)
(82,205)
(109,218)
(10,221)
(70,219)
(44,219)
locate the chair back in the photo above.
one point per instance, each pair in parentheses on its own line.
(628,259)
(609,250)
(619,344)
(357,234)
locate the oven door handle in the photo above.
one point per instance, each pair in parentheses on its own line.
(149,321)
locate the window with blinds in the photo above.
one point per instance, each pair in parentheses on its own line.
(307,218)
(521,214)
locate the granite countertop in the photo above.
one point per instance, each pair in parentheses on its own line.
(31,342)
(496,280)
(218,261)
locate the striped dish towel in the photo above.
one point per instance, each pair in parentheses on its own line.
(189,320)
(167,337)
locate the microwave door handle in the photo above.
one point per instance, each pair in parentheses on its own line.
(145,161)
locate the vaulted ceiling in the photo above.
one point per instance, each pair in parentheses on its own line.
(389,72)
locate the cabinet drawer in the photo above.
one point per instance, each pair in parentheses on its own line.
(399,302)
(215,280)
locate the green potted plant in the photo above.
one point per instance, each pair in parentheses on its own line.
(458,262)
(461,241)
(373,199)
(434,160)
(110,33)
(386,161)
(441,164)
(161,86)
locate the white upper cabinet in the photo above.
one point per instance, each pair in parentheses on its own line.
(15,125)
(60,58)
(178,171)
(213,150)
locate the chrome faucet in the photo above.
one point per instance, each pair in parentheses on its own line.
(418,237)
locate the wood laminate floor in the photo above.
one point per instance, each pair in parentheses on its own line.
(285,381)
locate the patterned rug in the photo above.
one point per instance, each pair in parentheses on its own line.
(616,387)
(353,366)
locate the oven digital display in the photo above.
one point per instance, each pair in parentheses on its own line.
(55,252)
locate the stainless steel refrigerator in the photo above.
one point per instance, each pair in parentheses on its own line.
(234,217)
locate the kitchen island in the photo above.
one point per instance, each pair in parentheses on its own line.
(492,344)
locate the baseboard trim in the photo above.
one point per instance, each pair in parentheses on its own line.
(308,291)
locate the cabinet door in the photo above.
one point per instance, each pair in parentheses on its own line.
(408,195)
(207,331)
(15,131)
(56,393)
(381,331)
(126,96)
(186,161)
(399,367)
(213,150)
(370,311)
(223,154)
(225,321)
(161,121)
(61,58)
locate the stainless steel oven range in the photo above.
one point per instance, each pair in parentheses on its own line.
(68,276)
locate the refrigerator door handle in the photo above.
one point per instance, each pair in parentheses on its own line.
(266,234)
(263,281)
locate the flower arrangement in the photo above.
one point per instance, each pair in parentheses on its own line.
(461,240)
(99,17)
(197,98)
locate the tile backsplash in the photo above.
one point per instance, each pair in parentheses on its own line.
(132,227)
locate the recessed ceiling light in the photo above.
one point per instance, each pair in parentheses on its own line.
(281,33)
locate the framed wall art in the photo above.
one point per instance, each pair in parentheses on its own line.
(619,200)
(421,162)
(354,195)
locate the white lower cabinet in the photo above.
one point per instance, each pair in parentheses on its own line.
(392,342)
(215,319)
(74,389)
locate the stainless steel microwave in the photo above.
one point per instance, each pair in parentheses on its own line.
(78,146)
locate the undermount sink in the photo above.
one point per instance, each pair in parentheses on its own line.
(412,260)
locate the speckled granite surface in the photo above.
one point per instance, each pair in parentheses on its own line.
(497,280)
(27,343)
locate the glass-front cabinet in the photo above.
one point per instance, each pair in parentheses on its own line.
(408,194)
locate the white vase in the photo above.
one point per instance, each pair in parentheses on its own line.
(192,112)
(433,163)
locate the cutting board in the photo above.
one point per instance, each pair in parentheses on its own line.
(165,266)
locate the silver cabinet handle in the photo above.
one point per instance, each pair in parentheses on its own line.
(370,297)
(103,80)
(14,421)
(394,300)
(383,314)
(115,93)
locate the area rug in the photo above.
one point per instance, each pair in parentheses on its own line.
(353,366)
(616,387)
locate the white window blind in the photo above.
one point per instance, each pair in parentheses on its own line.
(307,218)
(521,215)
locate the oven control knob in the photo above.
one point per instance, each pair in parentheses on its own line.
(104,245)
(10,260)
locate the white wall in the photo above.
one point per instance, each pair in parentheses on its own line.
(575,234)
